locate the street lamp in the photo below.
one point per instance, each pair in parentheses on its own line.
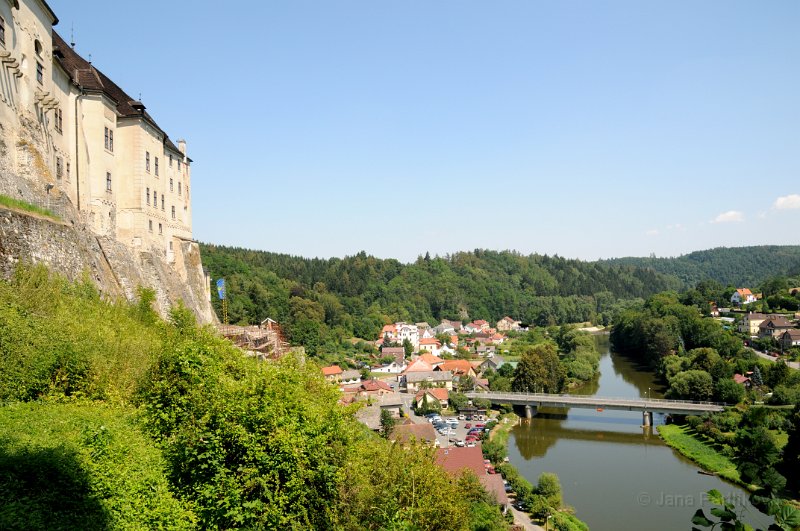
(547,522)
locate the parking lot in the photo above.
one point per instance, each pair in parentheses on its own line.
(457,433)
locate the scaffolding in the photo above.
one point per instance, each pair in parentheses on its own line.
(265,341)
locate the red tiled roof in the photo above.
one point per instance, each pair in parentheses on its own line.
(375,385)
(457,366)
(418,365)
(429,341)
(454,460)
(439,393)
(332,370)
(740,379)
(421,432)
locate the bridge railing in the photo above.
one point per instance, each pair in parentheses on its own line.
(590,398)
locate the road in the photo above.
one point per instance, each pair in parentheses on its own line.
(791,364)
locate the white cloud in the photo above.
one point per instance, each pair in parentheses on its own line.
(787,202)
(652,232)
(728,217)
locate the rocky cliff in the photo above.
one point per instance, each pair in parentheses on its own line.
(73,250)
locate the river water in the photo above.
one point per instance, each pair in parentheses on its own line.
(615,473)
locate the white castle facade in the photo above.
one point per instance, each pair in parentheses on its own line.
(74,133)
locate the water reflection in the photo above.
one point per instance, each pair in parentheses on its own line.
(617,474)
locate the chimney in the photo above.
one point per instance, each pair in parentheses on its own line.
(182,146)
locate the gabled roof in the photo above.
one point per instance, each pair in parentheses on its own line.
(744,292)
(439,393)
(432,376)
(775,321)
(456,366)
(454,460)
(431,359)
(375,385)
(331,370)
(740,379)
(418,365)
(421,432)
(429,341)
(350,374)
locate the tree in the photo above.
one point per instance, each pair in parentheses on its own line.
(539,369)
(728,391)
(550,487)
(691,385)
(387,423)
(408,347)
(756,378)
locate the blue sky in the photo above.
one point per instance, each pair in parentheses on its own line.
(584,129)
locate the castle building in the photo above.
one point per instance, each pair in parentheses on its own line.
(68,126)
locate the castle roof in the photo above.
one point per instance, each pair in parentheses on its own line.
(85,75)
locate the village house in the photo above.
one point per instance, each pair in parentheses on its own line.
(414,381)
(434,394)
(743,380)
(774,326)
(790,338)
(432,345)
(350,376)
(742,296)
(507,324)
(431,359)
(457,368)
(486,351)
(456,460)
(397,365)
(750,323)
(367,389)
(405,433)
(332,373)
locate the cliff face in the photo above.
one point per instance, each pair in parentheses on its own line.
(74,251)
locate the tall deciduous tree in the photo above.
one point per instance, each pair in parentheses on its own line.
(539,369)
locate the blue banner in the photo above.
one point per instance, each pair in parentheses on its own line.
(221,288)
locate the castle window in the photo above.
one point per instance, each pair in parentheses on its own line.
(173,211)
(179,188)
(108,181)
(67,171)
(170,185)
(150,224)
(37,46)
(59,168)
(39,73)
(109,139)
(170,246)
(148,196)
(155,199)
(2,31)
(59,120)
(162,201)
(156,168)
(147,161)
(170,161)
(179,164)
(160,229)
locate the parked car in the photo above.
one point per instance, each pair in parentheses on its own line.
(461,417)
(460,443)
(468,425)
(471,444)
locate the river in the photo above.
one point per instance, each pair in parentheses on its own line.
(615,473)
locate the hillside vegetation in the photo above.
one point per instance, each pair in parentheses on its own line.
(318,299)
(736,266)
(111,418)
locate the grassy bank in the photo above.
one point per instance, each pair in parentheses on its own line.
(16,204)
(681,439)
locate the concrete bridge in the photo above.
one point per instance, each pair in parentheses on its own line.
(646,405)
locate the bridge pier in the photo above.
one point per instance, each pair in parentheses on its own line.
(647,418)
(528,412)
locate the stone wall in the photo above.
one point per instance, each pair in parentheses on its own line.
(71,249)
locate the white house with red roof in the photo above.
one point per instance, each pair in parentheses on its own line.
(430,344)
(743,296)
(332,373)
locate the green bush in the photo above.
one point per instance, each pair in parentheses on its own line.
(83,466)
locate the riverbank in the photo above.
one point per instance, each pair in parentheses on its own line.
(563,518)
(681,439)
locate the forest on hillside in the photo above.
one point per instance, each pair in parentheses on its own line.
(317,299)
(736,266)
